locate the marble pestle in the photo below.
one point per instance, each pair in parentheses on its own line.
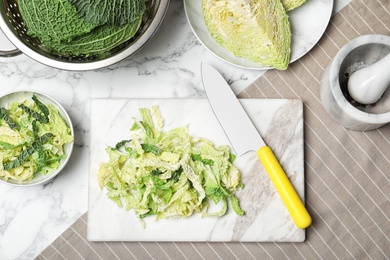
(368,84)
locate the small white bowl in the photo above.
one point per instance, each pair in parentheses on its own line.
(27,94)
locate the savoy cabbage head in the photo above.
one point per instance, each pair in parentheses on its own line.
(73,27)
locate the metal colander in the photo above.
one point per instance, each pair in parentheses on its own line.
(12,25)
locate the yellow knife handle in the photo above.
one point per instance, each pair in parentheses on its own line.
(283,185)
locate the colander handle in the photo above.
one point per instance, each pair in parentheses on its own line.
(10,53)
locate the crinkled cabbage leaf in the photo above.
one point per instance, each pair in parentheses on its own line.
(257,30)
(60,28)
(53,21)
(169,174)
(101,40)
(118,12)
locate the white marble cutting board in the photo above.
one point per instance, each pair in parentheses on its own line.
(280,121)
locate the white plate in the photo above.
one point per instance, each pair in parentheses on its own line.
(308,24)
(27,94)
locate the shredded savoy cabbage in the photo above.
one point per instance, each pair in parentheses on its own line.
(32,136)
(169,174)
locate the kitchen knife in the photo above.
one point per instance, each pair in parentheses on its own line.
(244,137)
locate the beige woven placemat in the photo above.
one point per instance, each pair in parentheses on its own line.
(347,172)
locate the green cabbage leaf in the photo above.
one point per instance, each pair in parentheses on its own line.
(98,42)
(118,12)
(169,174)
(73,28)
(257,30)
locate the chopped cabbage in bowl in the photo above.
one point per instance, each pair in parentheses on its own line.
(36,138)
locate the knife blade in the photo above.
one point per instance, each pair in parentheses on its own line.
(244,137)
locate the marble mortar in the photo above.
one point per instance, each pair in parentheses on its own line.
(357,54)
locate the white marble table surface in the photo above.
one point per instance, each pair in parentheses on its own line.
(168,66)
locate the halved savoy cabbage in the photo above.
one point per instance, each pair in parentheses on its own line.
(258,30)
